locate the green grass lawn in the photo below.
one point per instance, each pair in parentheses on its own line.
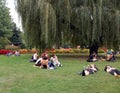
(17,75)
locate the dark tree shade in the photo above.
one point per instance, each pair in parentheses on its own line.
(16,39)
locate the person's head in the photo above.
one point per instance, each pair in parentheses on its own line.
(46,52)
(53,55)
(35,52)
(107,68)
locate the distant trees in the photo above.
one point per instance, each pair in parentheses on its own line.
(9,33)
(91,23)
(5,24)
(15,38)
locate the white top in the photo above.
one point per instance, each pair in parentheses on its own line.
(17,53)
(35,56)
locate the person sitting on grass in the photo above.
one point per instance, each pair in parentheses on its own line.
(92,57)
(34,57)
(44,56)
(17,53)
(112,71)
(110,56)
(54,60)
(9,54)
(38,62)
(44,63)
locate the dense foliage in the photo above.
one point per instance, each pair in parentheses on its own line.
(9,33)
(91,23)
(5,24)
(5,20)
(15,39)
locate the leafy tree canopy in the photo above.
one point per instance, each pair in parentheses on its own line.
(5,20)
(92,23)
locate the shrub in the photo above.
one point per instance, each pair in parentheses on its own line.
(3,42)
(76,50)
(101,51)
(23,51)
(84,51)
(12,47)
(52,51)
(62,50)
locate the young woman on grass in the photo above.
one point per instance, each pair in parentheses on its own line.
(34,57)
(90,69)
(112,71)
(54,60)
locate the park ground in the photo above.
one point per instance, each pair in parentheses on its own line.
(17,75)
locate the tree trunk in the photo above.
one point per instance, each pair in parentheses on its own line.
(94,48)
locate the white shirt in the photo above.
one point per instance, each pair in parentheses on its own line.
(35,56)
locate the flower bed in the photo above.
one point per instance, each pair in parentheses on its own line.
(62,50)
(4,51)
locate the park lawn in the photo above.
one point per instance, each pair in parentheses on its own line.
(17,75)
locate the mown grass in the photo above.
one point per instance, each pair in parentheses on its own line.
(17,75)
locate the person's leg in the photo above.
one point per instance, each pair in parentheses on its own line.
(49,63)
(34,60)
(38,61)
(82,73)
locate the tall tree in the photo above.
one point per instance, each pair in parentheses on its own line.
(90,23)
(15,38)
(99,23)
(39,22)
(5,24)
(5,20)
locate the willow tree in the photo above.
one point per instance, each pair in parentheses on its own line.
(99,23)
(45,22)
(63,11)
(92,23)
(38,21)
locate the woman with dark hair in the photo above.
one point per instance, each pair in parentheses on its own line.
(90,69)
(55,61)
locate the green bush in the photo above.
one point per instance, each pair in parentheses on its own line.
(101,51)
(3,42)
(76,50)
(84,51)
(10,47)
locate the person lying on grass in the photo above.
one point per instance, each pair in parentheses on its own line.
(112,71)
(90,69)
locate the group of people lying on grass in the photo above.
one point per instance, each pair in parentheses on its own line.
(92,68)
(109,57)
(45,61)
